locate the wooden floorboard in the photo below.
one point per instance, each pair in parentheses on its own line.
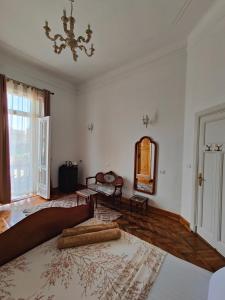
(154,228)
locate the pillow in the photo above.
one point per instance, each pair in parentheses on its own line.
(217,286)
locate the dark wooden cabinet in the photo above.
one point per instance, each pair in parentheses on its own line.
(68,178)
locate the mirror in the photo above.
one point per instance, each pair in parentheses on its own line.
(145,166)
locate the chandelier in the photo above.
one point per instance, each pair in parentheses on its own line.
(70,40)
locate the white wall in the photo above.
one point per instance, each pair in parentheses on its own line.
(205,87)
(116,108)
(63,108)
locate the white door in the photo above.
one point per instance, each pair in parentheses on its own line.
(44,157)
(211,180)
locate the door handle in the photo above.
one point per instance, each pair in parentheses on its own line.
(200,179)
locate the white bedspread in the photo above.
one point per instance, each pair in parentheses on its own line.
(180,280)
(125,269)
(122,269)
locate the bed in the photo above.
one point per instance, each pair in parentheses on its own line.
(125,269)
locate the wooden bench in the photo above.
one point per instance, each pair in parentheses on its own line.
(108,184)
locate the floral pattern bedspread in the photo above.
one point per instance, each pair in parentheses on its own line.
(122,269)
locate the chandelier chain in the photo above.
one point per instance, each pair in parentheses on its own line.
(71,10)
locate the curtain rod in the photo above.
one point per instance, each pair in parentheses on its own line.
(27,85)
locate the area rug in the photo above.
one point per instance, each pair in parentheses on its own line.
(101,212)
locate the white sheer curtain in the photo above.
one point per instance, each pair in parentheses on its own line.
(25,106)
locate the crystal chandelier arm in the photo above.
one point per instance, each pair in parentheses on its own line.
(58,49)
(82,47)
(88,33)
(55,37)
(47,32)
(60,37)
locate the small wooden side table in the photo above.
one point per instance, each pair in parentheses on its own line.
(139,201)
(87,194)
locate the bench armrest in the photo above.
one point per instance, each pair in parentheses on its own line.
(118,187)
(87,179)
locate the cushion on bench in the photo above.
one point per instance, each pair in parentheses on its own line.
(104,188)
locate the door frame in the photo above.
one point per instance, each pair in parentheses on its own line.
(198,116)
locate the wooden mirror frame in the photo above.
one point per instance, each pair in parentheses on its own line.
(155,166)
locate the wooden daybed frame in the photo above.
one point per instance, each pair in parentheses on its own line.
(40,227)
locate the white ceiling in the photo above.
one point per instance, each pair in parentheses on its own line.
(123,30)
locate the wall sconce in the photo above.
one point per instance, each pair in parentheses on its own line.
(146,120)
(90,127)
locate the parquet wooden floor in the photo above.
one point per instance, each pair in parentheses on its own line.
(171,236)
(154,228)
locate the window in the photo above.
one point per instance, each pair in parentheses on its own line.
(25,106)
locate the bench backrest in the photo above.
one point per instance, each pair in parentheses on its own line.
(110,178)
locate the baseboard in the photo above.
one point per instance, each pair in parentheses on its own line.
(186,224)
(166,213)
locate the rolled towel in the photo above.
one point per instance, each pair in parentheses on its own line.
(89,238)
(88,228)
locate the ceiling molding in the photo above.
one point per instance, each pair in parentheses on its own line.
(128,69)
(207,23)
(122,32)
(12,65)
(181,13)
(34,62)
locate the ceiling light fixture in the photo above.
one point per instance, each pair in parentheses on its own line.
(70,40)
